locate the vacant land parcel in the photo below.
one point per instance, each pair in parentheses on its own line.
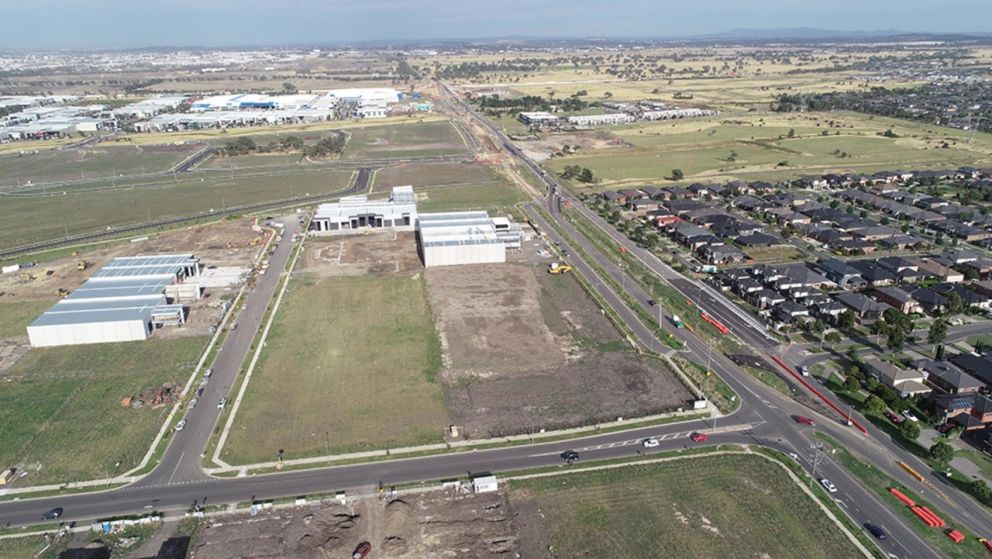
(443,187)
(525,350)
(62,411)
(412,139)
(769,146)
(721,506)
(350,359)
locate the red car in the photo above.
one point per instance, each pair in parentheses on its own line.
(362,550)
(893,417)
(804,420)
(699,437)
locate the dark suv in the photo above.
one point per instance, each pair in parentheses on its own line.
(876,531)
(570,456)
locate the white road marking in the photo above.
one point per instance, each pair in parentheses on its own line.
(176,469)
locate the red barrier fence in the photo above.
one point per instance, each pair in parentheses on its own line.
(716,323)
(934,517)
(902,497)
(956,536)
(918,511)
(813,389)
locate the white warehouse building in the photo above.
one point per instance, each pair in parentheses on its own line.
(455,238)
(353,213)
(122,301)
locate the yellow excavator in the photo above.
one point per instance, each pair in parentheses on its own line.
(556,268)
(82,265)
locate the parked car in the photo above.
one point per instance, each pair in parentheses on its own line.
(361,551)
(893,417)
(652,303)
(876,531)
(222,403)
(699,437)
(569,456)
(828,485)
(804,370)
(909,415)
(650,442)
(53,514)
(181,425)
(804,420)
(193,402)
(209,372)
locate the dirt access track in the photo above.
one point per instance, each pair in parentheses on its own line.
(549,143)
(437,524)
(525,350)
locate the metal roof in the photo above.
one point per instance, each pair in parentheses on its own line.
(127,288)
(457,228)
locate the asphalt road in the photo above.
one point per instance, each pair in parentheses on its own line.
(764,415)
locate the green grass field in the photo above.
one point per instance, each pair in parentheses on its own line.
(17,316)
(451,186)
(708,506)
(102,161)
(60,413)
(412,139)
(29,219)
(349,366)
(22,547)
(761,148)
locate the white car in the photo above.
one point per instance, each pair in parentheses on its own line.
(222,403)
(909,415)
(828,485)
(181,425)
(193,402)
(209,372)
(650,442)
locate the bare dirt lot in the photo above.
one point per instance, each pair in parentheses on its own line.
(542,149)
(412,526)
(525,350)
(379,253)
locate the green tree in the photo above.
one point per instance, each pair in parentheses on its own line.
(677,174)
(874,405)
(792,133)
(955,305)
(909,430)
(981,490)
(938,331)
(852,384)
(585,175)
(846,319)
(896,339)
(941,452)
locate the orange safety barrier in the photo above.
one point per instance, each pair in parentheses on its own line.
(956,537)
(811,388)
(716,323)
(924,517)
(902,497)
(937,519)
(909,469)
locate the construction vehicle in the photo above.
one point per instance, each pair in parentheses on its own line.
(556,268)
(62,292)
(254,242)
(82,265)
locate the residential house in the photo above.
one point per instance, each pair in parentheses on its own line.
(641,206)
(766,298)
(897,299)
(978,366)
(930,301)
(907,382)
(970,298)
(721,254)
(757,240)
(790,311)
(947,378)
(873,274)
(865,309)
(938,271)
(842,274)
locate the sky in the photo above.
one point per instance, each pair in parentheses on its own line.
(44,24)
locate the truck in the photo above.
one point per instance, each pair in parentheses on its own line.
(706,269)
(556,268)
(677,321)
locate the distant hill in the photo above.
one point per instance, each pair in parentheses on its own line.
(804,33)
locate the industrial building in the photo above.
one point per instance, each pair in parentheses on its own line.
(123,301)
(538,118)
(454,238)
(599,120)
(353,213)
